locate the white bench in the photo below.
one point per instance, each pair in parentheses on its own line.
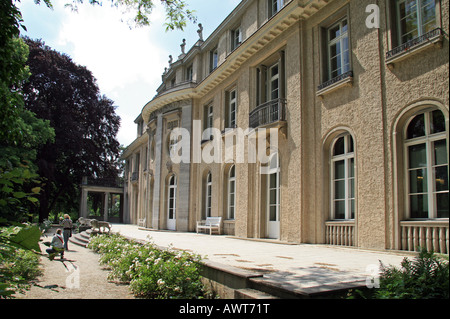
(141,222)
(211,224)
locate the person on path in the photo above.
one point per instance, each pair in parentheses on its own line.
(56,246)
(67,224)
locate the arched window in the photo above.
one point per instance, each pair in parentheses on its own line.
(231,198)
(172,203)
(208,195)
(426,165)
(343,178)
(273,197)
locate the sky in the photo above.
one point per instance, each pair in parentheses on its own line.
(127,61)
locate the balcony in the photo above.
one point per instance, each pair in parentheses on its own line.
(167,88)
(340,233)
(431,38)
(268,113)
(432,235)
(345,79)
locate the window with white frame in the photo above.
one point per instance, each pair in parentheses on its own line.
(208,195)
(208,119)
(231,109)
(343,178)
(189,73)
(208,116)
(275,6)
(274,188)
(172,197)
(213,59)
(271,79)
(236,38)
(415,18)
(427,166)
(274,82)
(231,192)
(338,49)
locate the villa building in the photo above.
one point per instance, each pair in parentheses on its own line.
(358,94)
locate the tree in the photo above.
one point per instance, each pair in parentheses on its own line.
(85,124)
(20,131)
(13,55)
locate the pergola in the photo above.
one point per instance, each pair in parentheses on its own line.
(106,189)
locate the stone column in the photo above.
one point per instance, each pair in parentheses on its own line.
(83,205)
(184,176)
(105,206)
(156,216)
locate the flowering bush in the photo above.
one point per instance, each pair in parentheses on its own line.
(151,272)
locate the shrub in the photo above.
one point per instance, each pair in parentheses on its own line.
(151,272)
(425,277)
(17,266)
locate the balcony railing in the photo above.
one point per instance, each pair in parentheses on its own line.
(339,78)
(432,235)
(413,43)
(164,88)
(103,182)
(340,233)
(268,113)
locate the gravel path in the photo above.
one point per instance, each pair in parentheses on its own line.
(78,276)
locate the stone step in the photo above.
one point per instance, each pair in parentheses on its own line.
(81,239)
(248,293)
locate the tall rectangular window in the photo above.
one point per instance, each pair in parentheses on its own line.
(208,195)
(208,119)
(208,116)
(338,49)
(236,38)
(415,18)
(213,59)
(274,82)
(275,6)
(189,73)
(231,109)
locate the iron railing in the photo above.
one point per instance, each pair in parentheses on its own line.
(268,113)
(336,79)
(431,35)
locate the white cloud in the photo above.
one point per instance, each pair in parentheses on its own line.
(115,53)
(127,63)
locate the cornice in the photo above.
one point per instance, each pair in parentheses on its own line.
(271,29)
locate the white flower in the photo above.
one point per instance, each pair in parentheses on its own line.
(160,282)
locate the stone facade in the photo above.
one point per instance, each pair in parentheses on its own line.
(342,95)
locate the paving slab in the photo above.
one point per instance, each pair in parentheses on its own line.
(301,267)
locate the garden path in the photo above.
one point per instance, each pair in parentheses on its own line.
(78,276)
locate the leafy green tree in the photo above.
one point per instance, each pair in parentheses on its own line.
(20,131)
(67,96)
(13,55)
